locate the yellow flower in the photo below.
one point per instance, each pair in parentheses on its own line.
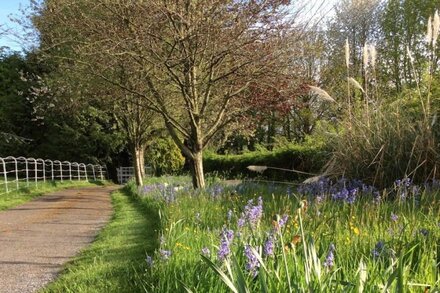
(356,230)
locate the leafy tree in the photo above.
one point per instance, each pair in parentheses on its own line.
(195,59)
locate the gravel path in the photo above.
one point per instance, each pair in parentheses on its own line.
(39,237)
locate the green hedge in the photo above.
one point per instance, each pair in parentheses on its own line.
(302,158)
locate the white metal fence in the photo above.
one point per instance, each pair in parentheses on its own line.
(23,172)
(126,173)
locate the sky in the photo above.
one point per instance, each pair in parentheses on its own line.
(8,7)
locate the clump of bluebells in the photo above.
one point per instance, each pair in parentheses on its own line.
(343,190)
(252,213)
(162,191)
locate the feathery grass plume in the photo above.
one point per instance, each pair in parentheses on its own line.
(365,55)
(411,57)
(259,169)
(347,53)
(321,93)
(435,28)
(373,55)
(429,31)
(355,84)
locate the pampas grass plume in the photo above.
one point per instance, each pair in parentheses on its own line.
(429,31)
(347,53)
(435,27)
(373,55)
(365,56)
(355,83)
(321,93)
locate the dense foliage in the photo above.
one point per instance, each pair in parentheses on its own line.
(304,158)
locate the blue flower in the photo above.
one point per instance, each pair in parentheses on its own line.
(330,258)
(149,261)
(252,263)
(394,217)
(165,254)
(227,237)
(268,248)
(379,248)
(424,232)
(206,252)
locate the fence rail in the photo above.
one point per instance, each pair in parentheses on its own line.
(16,172)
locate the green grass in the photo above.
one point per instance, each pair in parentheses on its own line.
(115,260)
(25,194)
(409,261)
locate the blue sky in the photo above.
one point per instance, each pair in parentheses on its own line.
(8,7)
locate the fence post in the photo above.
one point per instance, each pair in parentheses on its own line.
(16,171)
(44,169)
(70,169)
(51,169)
(93,170)
(61,169)
(85,171)
(5,175)
(35,171)
(100,171)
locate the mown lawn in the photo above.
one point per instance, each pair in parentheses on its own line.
(115,260)
(25,194)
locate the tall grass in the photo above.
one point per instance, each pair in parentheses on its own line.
(383,140)
(379,245)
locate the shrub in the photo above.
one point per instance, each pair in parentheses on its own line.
(303,158)
(164,156)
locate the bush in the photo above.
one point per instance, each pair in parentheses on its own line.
(303,158)
(164,156)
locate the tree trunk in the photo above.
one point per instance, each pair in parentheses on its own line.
(137,152)
(142,161)
(198,177)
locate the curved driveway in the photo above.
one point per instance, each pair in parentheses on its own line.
(39,237)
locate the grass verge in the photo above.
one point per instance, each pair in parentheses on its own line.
(115,261)
(25,194)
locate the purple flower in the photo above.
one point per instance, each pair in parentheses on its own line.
(394,217)
(206,252)
(283,221)
(269,246)
(252,263)
(149,261)
(379,248)
(252,213)
(241,222)
(226,239)
(165,254)
(330,258)
(424,232)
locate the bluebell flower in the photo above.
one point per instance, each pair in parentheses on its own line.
(252,263)
(330,258)
(149,261)
(165,254)
(424,232)
(394,217)
(206,252)
(268,248)
(379,248)
(227,237)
